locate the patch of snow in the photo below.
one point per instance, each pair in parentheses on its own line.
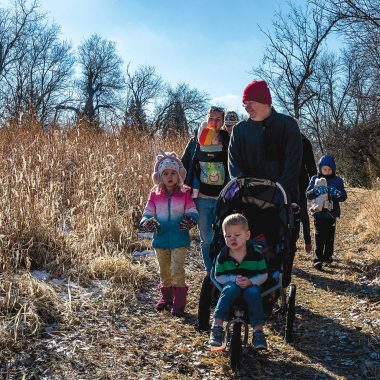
(40,275)
(146,253)
(145,235)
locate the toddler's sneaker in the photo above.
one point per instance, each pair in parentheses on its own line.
(318,265)
(259,342)
(216,336)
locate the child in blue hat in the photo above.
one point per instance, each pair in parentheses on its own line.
(325,219)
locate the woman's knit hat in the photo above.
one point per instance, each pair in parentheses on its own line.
(165,161)
(231,118)
(257,91)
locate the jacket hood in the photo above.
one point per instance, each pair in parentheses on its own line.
(327,160)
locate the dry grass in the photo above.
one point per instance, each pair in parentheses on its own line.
(367,222)
(363,227)
(25,306)
(71,199)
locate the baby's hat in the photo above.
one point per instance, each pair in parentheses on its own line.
(168,160)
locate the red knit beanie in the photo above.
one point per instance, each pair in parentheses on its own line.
(257,91)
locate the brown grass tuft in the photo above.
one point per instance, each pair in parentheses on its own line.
(120,270)
(25,306)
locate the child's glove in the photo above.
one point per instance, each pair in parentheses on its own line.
(320,190)
(187,223)
(150,225)
(334,193)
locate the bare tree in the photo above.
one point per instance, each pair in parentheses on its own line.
(101,77)
(326,117)
(352,11)
(292,53)
(184,108)
(360,23)
(15,25)
(36,83)
(144,87)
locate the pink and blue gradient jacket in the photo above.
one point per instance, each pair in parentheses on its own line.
(169,210)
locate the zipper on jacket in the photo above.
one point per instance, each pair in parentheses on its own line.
(169,218)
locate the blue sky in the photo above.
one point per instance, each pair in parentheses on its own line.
(209,44)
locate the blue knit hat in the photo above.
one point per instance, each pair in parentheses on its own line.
(327,160)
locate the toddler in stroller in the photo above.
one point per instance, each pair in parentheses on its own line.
(270,220)
(241,269)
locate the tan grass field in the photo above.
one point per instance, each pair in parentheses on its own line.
(70,203)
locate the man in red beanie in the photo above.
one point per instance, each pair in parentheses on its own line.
(266,145)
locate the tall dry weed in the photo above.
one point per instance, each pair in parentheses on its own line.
(71,200)
(366,225)
(367,222)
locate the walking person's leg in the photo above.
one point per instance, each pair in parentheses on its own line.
(206,210)
(305,221)
(329,243)
(319,242)
(180,288)
(164,262)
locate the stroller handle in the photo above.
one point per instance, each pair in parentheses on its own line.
(283,192)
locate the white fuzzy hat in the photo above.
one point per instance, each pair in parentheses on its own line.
(168,161)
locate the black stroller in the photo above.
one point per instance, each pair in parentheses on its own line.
(265,205)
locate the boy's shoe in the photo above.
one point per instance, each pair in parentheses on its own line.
(308,248)
(318,265)
(258,341)
(216,336)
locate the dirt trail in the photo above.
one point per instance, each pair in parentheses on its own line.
(337,319)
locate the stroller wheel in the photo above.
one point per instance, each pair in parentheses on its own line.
(235,347)
(204,305)
(290,314)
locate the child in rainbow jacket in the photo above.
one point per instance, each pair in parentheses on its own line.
(170,213)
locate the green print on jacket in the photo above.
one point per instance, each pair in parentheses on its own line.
(212,173)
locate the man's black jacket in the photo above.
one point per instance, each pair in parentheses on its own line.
(270,149)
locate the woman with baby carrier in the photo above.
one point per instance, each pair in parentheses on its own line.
(205,159)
